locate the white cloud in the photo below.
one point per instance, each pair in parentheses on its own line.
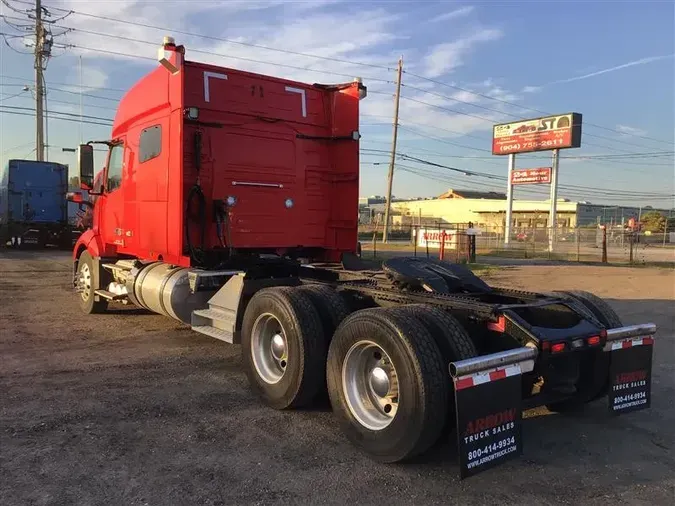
(628,130)
(371,35)
(641,61)
(457,13)
(531,89)
(446,57)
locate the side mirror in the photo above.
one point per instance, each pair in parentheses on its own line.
(74,197)
(85,164)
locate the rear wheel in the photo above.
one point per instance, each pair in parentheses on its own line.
(330,305)
(87,283)
(452,339)
(283,347)
(332,309)
(594,367)
(387,383)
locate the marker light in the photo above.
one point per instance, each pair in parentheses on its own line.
(593,341)
(192,113)
(558,347)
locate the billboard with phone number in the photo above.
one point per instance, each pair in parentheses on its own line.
(540,134)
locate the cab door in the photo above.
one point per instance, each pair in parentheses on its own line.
(111,219)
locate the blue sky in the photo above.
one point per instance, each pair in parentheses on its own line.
(489,62)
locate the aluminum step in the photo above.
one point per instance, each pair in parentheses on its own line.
(109,295)
(223,335)
(214,322)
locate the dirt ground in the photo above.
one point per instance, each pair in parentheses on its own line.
(131,408)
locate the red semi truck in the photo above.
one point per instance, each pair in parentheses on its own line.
(229,203)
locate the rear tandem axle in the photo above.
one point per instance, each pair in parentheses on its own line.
(405,353)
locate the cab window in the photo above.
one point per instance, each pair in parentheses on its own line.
(115,163)
(150,144)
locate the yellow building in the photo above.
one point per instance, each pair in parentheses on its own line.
(486,210)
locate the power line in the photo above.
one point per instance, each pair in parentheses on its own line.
(518,116)
(213,53)
(491,161)
(17,113)
(12,96)
(15,78)
(219,39)
(614,157)
(435,176)
(98,118)
(12,8)
(488,97)
(492,120)
(503,178)
(25,144)
(339,60)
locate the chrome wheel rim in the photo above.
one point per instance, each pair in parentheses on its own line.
(269,348)
(84,282)
(370,385)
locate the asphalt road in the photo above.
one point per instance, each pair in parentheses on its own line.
(130,408)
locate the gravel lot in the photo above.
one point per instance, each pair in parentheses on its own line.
(132,408)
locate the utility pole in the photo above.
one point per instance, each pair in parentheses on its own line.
(39,90)
(390,178)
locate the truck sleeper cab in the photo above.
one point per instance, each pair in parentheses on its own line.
(229,204)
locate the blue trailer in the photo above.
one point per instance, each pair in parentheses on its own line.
(33,205)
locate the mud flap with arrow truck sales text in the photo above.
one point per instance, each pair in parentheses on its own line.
(488,400)
(630,368)
(488,394)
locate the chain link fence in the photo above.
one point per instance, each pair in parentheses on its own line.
(614,245)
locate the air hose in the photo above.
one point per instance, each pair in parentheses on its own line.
(197,254)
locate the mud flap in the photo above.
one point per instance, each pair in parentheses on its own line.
(488,400)
(630,369)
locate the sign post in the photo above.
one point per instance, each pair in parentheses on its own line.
(509,200)
(553,213)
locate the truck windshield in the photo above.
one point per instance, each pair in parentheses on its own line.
(115,167)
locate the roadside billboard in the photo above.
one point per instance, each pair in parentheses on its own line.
(540,175)
(540,134)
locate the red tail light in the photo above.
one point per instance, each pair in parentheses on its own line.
(558,347)
(593,341)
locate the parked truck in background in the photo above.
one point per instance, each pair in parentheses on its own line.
(33,205)
(229,203)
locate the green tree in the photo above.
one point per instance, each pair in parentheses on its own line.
(653,221)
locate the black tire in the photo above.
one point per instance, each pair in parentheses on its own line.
(332,310)
(331,306)
(422,383)
(600,309)
(594,377)
(87,298)
(452,339)
(305,341)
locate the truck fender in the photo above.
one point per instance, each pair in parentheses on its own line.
(88,240)
(91,242)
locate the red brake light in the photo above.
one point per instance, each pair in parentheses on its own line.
(558,347)
(593,341)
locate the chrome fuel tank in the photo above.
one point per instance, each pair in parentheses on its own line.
(165,289)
